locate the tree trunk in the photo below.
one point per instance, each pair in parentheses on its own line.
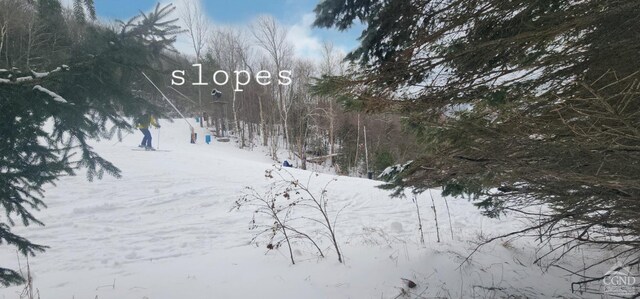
(355,163)
(3,32)
(331,132)
(263,125)
(29,44)
(235,117)
(302,153)
(284,116)
(6,51)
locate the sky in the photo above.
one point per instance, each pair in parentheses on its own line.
(296,15)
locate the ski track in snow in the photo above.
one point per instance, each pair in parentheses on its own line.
(165,230)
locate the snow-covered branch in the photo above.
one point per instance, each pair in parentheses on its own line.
(56,97)
(10,78)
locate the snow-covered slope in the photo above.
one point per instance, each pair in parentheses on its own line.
(165,230)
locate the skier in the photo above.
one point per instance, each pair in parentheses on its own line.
(143,124)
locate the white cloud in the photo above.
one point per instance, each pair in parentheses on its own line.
(305,44)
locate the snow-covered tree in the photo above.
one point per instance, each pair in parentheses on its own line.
(48,116)
(521,105)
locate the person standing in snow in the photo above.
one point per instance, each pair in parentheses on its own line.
(143,124)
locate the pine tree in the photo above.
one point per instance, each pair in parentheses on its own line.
(89,97)
(79,8)
(521,104)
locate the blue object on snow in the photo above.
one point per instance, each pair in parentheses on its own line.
(286,164)
(197,119)
(207,138)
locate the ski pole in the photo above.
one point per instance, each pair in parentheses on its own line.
(121,139)
(158,142)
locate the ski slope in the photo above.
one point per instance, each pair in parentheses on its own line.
(165,230)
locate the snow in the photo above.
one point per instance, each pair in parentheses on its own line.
(53,95)
(24,79)
(41,75)
(394,169)
(536,137)
(165,230)
(34,74)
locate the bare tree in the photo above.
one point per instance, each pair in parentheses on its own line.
(304,104)
(196,25)
(12,13)
(34,37)
(263,121)
(260,95)
(231,51)
(330,65)
(197,28)
(271,37)
(3,32)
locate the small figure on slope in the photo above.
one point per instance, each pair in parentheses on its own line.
(143,124)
